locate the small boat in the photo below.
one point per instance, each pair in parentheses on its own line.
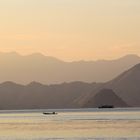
(106,106)
(49,113)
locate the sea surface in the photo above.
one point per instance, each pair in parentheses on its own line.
(71,124)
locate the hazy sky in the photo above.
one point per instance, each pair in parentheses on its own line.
(71,29)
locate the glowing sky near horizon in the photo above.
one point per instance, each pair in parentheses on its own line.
(71,29)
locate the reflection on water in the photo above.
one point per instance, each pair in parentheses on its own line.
(79,125)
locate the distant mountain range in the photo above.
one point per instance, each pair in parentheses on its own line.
(49,70)
(122,91)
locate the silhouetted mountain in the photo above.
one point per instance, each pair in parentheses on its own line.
(36,95)
(126,86)
(125,91)
(106,97)
(49,70)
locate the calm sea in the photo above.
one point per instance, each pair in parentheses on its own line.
(71,124)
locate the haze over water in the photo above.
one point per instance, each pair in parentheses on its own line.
(71,124)
(70,30)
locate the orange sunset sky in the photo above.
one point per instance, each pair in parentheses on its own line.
(71,29)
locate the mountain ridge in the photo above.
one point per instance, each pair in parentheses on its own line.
(50,70)
(71,95)
(106,97)
(126,86)
(38,54)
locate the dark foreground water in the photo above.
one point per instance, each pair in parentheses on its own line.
(79,124)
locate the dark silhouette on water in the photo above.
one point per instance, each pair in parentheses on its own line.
(49,113)
(106,106)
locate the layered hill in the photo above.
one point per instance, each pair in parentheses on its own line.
(106,97)
(122,91)
(126,86)
(38,96)
(49,70)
